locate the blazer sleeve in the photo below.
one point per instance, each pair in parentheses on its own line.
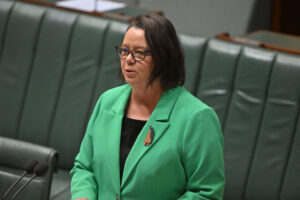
(83,183)
(202,156)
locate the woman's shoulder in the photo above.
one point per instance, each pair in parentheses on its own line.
(115,92)
(189,101)
(111,96)
(190,108)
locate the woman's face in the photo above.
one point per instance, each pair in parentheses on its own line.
(136,73)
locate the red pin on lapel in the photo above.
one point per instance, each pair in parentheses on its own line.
(149,136)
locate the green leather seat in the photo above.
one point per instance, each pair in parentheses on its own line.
(53,66)
(256,95)
(13,156)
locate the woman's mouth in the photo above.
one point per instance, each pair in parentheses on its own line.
(129,71)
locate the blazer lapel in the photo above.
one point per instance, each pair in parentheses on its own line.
(113,124)
(112,120)
(159,122)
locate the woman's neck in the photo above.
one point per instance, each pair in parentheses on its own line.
(142,101)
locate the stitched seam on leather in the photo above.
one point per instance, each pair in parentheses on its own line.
(258,132)
(292,144)
(26,88)
(61,81)
(232,89)
(200,67)
(94,87)
(5,29)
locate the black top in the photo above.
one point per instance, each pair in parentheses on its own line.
(130,130)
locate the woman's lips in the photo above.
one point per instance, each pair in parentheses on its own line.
(129,72)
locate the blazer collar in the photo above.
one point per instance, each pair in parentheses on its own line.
(120,105)
(162,110)
(165,105)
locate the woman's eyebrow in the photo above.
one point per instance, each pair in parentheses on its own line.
(141,47)
(136,47)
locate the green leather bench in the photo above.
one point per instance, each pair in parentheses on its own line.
(54,64)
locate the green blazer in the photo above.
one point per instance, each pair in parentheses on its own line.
(184,160)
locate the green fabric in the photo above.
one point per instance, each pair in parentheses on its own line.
(187,144)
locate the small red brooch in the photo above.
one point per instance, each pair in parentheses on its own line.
(149,136)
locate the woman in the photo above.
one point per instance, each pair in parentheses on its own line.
(150,139)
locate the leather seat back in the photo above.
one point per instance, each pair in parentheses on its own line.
(53,66)
(256,94)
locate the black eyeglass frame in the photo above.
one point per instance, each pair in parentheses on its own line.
(146,52)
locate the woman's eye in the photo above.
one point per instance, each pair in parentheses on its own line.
(139,52)
(124,51)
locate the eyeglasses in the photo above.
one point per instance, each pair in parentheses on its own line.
(137,54)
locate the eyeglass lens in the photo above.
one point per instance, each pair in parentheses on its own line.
(136,54)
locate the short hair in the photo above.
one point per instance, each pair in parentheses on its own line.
(166,50)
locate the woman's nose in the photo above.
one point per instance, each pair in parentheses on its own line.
(129,58)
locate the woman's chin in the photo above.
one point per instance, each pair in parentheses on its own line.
(134,83)
(130,81)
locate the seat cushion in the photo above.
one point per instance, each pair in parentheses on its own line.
(61,185)
(34,191)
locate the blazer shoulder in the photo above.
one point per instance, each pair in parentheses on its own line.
(115,92)
(191,108)
(109,97)
(190,102)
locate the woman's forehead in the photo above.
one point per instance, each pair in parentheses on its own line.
(135,37)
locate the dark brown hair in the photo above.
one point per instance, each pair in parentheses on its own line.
(165,48)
